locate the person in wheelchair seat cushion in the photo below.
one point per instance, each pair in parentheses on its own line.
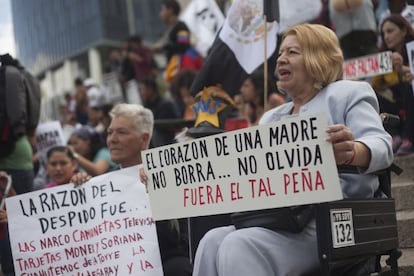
(309,69)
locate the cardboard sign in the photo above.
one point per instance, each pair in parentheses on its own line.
(104,227)
(281,164)
(368,66)
(48,135)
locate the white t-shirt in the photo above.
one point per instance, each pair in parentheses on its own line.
(95,97)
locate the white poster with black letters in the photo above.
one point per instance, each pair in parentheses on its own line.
(104,227)
(276,165)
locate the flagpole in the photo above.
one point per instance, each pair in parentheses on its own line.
(265,61)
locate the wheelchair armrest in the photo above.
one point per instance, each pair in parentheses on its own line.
(384,176)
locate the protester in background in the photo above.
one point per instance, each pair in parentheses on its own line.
(19,164)
(324,18)
(69,126)
(142,59)
(274,100)
(126,69)
(398,7)
(180,89)
(105,119)
(162,108)
(129,134)
(61,166)
(179,53)
(396,31)
(96,99)
(178,37)
(81,99)
(67,107)
(94,95)
(253,96)
(94,118)
(355,25)
(18,123)
(114,61)
(358,139)
(90,152)
(6,258)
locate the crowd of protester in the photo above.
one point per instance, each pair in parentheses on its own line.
(362,26)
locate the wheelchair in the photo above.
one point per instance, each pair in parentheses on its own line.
(354,235)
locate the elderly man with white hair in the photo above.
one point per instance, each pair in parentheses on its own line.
(129,133)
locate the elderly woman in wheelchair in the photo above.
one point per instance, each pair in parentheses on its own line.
(309,70)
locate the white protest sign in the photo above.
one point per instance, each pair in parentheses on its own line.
(48,135)
(367,66)
(410,52)
(281,164)
(104,227)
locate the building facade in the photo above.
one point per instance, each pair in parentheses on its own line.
(59,40)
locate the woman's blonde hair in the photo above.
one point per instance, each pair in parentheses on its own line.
(321,52)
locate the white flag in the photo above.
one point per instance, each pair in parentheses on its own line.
(244,33)
(204,18)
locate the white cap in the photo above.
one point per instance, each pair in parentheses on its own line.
(89,82)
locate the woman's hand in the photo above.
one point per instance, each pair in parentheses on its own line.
(347,151)
(343,144)
(80,178)
(397,61)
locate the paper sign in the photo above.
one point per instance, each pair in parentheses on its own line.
(104,227)
(48,135)
(368,66)
(410,53)
(281,164)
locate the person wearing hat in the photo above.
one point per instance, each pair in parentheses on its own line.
(96,101)
(95,96)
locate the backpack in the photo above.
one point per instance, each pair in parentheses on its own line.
(19,103)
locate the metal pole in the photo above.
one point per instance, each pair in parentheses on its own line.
(131,17)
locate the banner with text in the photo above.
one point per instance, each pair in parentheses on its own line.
(104,227)
(281,164)
(368,66)
(48,135)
